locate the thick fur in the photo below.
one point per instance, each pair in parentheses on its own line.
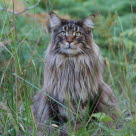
(73,78)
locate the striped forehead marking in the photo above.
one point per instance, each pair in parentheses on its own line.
(70,26)
(65,28)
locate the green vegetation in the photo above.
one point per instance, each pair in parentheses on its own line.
(22,43)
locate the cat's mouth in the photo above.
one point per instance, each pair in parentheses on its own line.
(69,51)
(70,48)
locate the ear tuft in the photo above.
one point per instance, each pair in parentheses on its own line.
(87,22)
(54,20)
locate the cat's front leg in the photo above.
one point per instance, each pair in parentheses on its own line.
(59,117)
(48,116)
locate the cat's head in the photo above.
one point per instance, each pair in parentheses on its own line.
(70,37)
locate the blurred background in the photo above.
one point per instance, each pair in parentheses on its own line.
(23,40)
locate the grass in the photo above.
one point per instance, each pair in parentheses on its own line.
(22,43)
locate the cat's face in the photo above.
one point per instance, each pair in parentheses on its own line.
(70,37)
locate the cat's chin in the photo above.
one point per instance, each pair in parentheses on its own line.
(70,52)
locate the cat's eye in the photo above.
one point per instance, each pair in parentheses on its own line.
(63,33)
(77,34)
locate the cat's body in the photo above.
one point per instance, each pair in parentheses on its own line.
(73,75)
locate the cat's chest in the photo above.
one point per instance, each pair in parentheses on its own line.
(73,81)
(71,73)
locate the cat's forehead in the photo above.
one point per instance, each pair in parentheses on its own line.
(71,25)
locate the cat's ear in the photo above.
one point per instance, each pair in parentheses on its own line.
(54,20)
(88,22)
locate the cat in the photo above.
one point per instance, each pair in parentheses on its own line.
(73,83)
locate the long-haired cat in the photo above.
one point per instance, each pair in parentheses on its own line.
(73,84)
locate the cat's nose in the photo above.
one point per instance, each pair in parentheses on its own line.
(69,39)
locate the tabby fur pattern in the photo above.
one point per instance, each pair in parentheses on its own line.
(72,76)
